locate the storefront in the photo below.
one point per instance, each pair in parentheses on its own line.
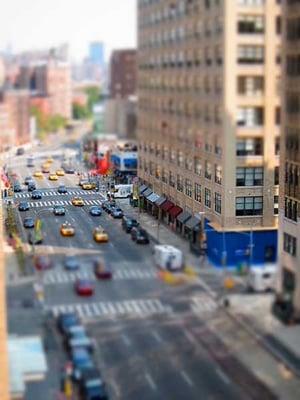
(165,207)
(152,207)
(181,220)
(192,228)
(144,196)
(173,213)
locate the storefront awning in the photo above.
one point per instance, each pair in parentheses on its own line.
(142,188)
(153,197)
(160,201)
(147,192)
(192,223)
(184,216)
(174,211)
(167,205)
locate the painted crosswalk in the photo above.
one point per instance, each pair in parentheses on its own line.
(203,303)
(51,203)
(56,277)
(140,308)
(45,193)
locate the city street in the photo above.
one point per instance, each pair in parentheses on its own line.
(151,338)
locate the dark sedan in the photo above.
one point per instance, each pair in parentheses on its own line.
(17,188)
(23,206)
(36,195)
(92,386)
(129,223)
(62,189)
(28,223)
(66,321)
(117,212)
(139,236)
(95,211)
(31,186)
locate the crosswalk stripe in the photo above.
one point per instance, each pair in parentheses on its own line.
(87,310)
(79,310)
(96,309)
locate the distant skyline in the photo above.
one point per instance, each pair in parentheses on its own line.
(38,24)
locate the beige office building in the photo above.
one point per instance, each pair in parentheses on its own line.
(289,228)
(209,117)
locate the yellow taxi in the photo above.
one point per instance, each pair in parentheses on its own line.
(88,186)
(100,235)
(77,201)
(53,177)
(67,229)
(60,172)
(49,160)
(38,174)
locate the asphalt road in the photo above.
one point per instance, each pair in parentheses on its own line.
(146,331)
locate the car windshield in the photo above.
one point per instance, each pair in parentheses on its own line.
(93,383)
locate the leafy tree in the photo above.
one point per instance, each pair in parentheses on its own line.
(93,93)
(80,111)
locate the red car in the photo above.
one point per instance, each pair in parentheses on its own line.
(84,287)
(43,263)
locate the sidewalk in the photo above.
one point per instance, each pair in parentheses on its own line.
(253,312)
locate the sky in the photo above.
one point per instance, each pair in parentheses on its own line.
(37,24)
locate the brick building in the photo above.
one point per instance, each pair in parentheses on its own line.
(123,73)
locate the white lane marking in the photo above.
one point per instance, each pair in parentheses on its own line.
(186,378)
(157,336)
(223,376)
(126,339)
(150,381)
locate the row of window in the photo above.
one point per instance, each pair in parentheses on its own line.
(291,209)
(290,244)
(246,85)
(292,144)
(247,54)
(244,147)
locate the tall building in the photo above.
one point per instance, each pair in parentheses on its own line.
(123,73)
(53,79)
(209,120)
(96,53)
(289,228)
(18,104)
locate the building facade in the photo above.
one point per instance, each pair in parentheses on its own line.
(123,73)
(209,118)
(289,228)
(53,79)
(18,105)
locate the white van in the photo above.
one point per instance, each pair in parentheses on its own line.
(168,257)
(122,191)
(262,279)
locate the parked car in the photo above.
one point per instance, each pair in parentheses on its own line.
(62,189)
(66,320)
(92,386)
(108,205)
(17,187)
(81,360)
(36,194)
(31,186)
(43,263)
(117,212)
(59,210)
(71,263)
(23,206)
(28,223)
(27,180)
(36,238)
(84,287)
(139,235)
(77,337)
(129,223)
(95,211)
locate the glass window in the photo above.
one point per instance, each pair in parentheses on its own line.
(207,198)
(197,194)
(252,205)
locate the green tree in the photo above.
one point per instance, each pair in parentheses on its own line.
(80,111)
(93,93)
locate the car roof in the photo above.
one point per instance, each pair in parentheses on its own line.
(91,373)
